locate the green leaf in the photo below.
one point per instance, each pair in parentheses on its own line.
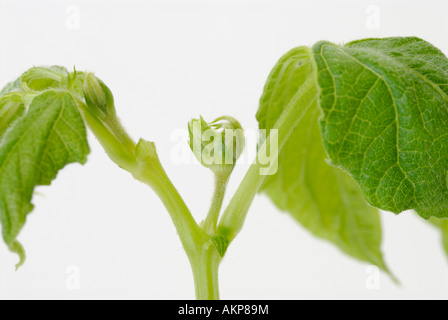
(51,135)
(11,108)
(442,224)
(42,78)
(385,120)
(322,198)
(75,82)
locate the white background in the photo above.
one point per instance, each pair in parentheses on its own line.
(168,61)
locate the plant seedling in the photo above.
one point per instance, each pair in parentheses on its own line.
(352,129)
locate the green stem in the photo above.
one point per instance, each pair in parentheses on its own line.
(149,170)
(205,272)
(202,254)
(235,214)
(120,133)
(211,220)
(118,145)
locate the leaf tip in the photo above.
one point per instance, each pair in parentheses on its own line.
(17,247)
(392,277)
(389,273)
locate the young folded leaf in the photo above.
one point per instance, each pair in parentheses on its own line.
(42,78)
(322,198)
(217,145)
(385,120)
(48,137)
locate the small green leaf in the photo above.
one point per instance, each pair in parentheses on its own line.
(145,151)
(51,135)
(385,120)
(322,198)
(42,78)
(221,243)
(75,82)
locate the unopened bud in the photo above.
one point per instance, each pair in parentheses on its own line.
(98,96)
(217,145)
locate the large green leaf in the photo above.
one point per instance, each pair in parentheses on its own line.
(325,200)
(385,120)
(49,136)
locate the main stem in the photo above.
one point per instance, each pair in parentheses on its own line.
(206,264)
(205,272)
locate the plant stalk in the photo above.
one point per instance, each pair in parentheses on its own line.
(209,225)
(149,170)
(205,272)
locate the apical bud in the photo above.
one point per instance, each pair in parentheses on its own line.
(217,145)
(98,96)
(100,115)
